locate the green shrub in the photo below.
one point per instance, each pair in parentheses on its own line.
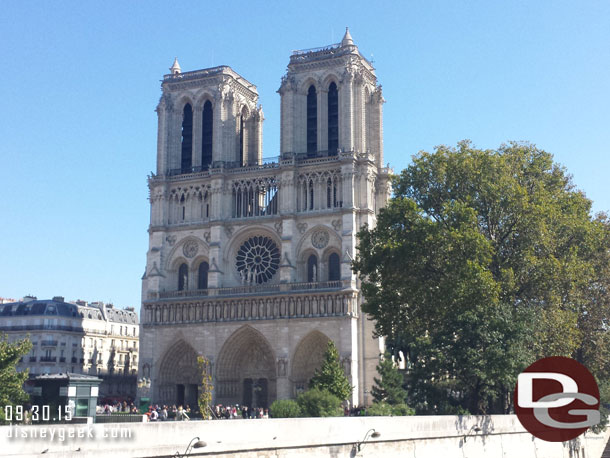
(319,403)
(402,410)
(285,408)
(383,409)
(379,409)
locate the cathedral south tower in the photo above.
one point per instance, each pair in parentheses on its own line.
(249,260)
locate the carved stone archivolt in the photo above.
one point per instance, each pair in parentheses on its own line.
(308,356)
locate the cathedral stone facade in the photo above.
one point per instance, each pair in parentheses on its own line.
(249,258)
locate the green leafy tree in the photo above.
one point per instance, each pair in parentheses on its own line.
(331,376)
(205,391)
(11,381)
(389,388)
(317,402)
(481,263)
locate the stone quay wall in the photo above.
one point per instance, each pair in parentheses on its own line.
(495,436)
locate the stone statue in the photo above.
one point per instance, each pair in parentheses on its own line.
(185,281)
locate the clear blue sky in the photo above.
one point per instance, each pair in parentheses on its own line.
(80,82)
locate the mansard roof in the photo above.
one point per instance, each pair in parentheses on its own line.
(55,307)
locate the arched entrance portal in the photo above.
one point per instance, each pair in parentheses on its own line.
(308,357)
(245,372)
(178,376)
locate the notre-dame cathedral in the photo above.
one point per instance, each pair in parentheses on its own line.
(249,259)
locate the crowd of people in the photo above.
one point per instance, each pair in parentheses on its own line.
(167,413)
(110,407)
(218,412)
(236,411)
(158,412)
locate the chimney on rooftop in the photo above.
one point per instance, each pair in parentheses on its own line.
(58,298)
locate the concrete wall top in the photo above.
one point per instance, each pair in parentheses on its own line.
(167,438)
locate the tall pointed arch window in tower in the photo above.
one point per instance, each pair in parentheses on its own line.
(312,121)
(187,139)
(243,138)
(202,282)
(207,124)
(333,119)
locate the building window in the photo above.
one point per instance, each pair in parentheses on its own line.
(312,121)
(255,197)
(202,277)
(243,150)
(312,268)
(183,275)
(334,267)
(257,261)
(333,120)
(207,124)
(187,139)
(311,195)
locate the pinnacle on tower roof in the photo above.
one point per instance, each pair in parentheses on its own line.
(175,68)
(347,38)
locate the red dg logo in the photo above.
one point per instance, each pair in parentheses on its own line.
(557,399)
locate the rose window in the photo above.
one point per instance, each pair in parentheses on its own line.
(257,260)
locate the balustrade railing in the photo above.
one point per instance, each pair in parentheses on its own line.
(251,289)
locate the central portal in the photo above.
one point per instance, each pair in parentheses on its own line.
(246,373)
(255,393)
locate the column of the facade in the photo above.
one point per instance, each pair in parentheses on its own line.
(197,118)
(175,140)
(287,121)
(288,263)
(359,117)
(258,147)
(218,119)
(300,123)
(346,113)
(219,199)
(162,114)
(376,124)
(322,119)
(215,272)
(231,132)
